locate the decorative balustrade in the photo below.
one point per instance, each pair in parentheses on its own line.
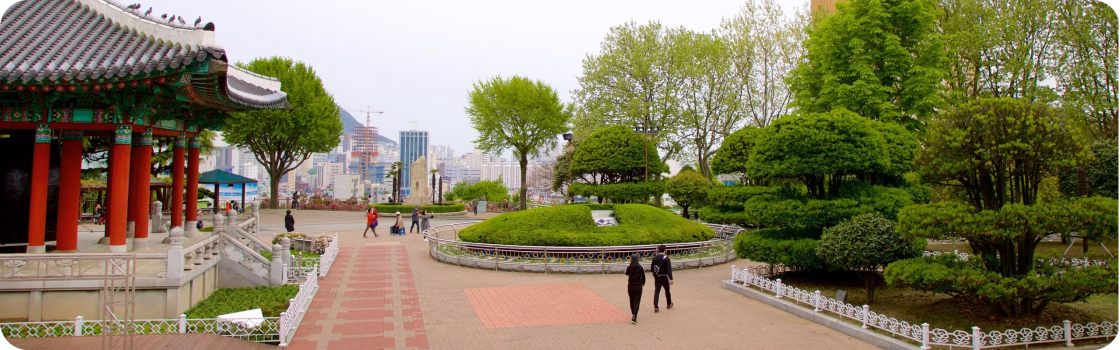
(327,259)
(249,258)
(445,246)
(921,333)
(257,330)
(290,319)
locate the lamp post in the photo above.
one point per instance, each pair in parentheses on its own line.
(568,137)
(646,131)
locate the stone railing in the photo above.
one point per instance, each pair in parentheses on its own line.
(922,334)
(445,246)
(252,329)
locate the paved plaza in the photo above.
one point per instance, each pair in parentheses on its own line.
(388,293)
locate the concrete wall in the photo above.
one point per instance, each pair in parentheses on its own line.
(150,303)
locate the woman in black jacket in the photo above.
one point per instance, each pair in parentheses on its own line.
(636,278)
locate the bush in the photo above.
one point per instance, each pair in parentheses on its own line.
(620,192)
(318,242)
(1007,296)
(794,248)
(739,194)
(271,300)
(865,244)
(596,206)
(433,208)
(572,226)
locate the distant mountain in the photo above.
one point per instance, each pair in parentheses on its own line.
(349,123)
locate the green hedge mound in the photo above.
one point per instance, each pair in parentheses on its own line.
(407,209)
(572,226)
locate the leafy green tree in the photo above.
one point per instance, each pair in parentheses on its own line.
(615,154)
(688,187)
(281,140)
(878,58)
(1086,67)
(518,114)
(733,155)
(766,45)
(818,149)
(491,190)
(630,81)
(708,95)
(998,150)
(1100,173)
(865,243)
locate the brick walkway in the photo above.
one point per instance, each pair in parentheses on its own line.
(388,293)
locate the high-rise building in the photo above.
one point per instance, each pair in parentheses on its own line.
(364,152)
(440,152)
(414,144)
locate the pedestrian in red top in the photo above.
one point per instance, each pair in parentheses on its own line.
(371,222)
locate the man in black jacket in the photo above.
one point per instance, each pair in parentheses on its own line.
(662,270)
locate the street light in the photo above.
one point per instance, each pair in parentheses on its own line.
(568,137)
(646,131)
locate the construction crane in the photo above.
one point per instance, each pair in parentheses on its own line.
(370,146)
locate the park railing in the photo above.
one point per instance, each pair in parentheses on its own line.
(444,245)
(975,339)
(267,329)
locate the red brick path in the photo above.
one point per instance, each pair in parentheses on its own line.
(542,305)
(368,301)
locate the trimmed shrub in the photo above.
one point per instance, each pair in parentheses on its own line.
(572,226)
(433,208)
(620,192)
(865,243)
(794,248)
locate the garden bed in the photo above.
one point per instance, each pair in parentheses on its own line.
(389,209)
(271,300)
(572,226)
(945,312)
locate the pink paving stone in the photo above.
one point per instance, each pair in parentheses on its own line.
(541,305)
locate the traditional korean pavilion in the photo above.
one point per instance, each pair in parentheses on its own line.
(72,70)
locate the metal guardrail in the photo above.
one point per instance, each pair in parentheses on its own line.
(444,245)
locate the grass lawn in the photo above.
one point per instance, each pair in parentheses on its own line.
(305,254)
(941,311)
(1045,248)
(271,300)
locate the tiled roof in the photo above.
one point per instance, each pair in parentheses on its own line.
(84,41)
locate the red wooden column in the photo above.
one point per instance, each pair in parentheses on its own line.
(142,189)
(108,193)
(118,190)
(177,182)
(69,191)
(40,175)
(192,188)
(133,180)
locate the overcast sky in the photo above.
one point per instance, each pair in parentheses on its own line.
(416,60)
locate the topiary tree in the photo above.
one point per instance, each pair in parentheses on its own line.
(688,187)
(614,155)
(733,154)
(865,243)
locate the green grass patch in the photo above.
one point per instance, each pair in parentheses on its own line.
(206,229)
(572,226)
(407,209)
(268,255)
(271,300)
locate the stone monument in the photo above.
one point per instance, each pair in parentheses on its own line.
(418,182)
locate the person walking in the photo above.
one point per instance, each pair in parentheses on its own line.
(415,218)
(662,270)
(635,281)
(424,216)
(290,221)
(97,214)
(371,222)
(474,206)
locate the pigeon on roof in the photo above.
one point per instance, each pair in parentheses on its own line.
(146,13)
(181,20)
(197,21)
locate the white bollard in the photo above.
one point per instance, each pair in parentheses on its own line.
(78,326)
(778,287)
(182,323)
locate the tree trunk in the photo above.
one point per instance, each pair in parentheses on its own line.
(684,210)
(869,283)
(273,185)
(524,164)
(1083,191)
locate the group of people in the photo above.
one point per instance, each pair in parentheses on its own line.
(419,222)
(661,269)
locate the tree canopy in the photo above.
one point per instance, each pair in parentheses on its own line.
(733,155)
(688,187)
(615,154)
(281,140)
(491,190)
(519,114)
(878,58)
(865,243)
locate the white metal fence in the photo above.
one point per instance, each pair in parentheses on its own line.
(290,319)
(921,333)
